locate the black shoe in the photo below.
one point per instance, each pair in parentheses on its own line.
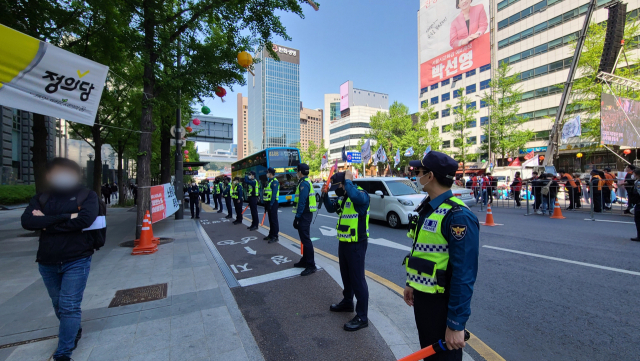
(635,239)
(274,240)
(627,212)
(253,228)
(198,217)
(266,238)
(62,358)
(300,264)
(355,324)
(341,307)
(237,222)
(219,211)
(192,217)
(78,337)
(228,217)
(309,270)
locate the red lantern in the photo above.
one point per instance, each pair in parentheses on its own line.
(221,92)
(189,168)
(196,121)
(510,159)
(189,129)
(542,157)
(186,152)
(627,151)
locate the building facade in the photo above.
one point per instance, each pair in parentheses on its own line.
(274,101)
(534,38)
(331,113)
(242,125)
(310,127)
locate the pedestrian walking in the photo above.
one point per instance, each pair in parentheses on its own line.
(194,200)
(474,186)
(270,198)
(64,251)
(516,187)
(114,190)
(237,194)
(629,187)
(636,210)
(443,263)
(609,194)
(578,191)
(570,187)
(596,186)
(253,192)
(548,192)
(304,205)
(106,193)
(226,193)
(353,232)
(493,186)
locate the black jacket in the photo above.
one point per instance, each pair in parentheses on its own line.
(61,238)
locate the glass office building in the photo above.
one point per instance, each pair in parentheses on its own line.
(274,101)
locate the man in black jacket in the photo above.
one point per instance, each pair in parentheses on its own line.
(64,254)
(628,186)
(194,200)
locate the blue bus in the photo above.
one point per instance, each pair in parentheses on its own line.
(284,160)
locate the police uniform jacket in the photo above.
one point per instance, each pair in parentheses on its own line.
(360,201)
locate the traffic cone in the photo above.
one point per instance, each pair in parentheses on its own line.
(146,222)
(146,244)
(557,212)
(489,221)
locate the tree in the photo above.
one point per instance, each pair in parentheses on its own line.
(396,130)
(505,127)
(313,156)
(463,114)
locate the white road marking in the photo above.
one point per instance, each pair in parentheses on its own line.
(604,220)
(328,231)
(388,243)
(566,261)
(287,273)
(250,251)
(324,215)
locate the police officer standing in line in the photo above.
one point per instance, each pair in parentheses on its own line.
(215,194)
(237,193)
(353,233)
(207,188)
(304,205)
(443,263)
(253,189)
(194,199)
(222,185)
(226,193)
(636,213)
(270,200)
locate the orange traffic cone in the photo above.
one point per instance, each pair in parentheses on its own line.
(146,222)
(146,244)
(557,212)
(489,221)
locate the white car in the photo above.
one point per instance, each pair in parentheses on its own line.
(393,199)
(318,188)
(463,194)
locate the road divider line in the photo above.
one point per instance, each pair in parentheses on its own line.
(287,273)
(605,220)
(566,260)
(480,347)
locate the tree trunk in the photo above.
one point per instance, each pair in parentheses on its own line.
(39,151)
(97,165)
(121,185)
(165,151)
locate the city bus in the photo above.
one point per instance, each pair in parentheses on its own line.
(284,160)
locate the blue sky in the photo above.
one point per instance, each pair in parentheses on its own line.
(371,42)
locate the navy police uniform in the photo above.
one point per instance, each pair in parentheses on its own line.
(304,207)
(226,194)
(215,194)
(194,201)
(237,193)
(253,191)
(271,206)
(353,208)
(636,213)
(443,263)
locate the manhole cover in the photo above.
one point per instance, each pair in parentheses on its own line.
(130,243)
(139,295)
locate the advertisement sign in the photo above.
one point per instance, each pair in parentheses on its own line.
(615,128)
(454,38)
(190,172)
(354,157)
(344,96)
(163,202)
(38,77)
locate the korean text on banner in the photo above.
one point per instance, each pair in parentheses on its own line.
(38,77)
(366,151)
(163,202)
(459,38)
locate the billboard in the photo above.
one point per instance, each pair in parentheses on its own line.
(615,128)
(454,38)
(344,96)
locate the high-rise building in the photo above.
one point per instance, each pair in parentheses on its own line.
(356,108)
(331,113)
(533,38)
(310,126)
(243,105)
(274,101)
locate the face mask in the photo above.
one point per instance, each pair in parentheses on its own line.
(235,182)
(419,179)
(340,192)
(64,180)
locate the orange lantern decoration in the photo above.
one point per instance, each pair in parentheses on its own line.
(244,59)
(627,151)
(579,155)
(542,157)
(189,129)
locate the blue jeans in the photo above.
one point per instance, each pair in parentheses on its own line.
(545,205)
(65,284)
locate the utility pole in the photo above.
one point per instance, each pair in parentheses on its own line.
(177,184)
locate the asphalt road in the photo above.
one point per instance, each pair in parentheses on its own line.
(527,307)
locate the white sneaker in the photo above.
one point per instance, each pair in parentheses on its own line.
(538,212)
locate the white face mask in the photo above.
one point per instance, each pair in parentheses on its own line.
(64,180)
(419,179)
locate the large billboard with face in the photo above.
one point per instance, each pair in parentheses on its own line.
(454,38)
(344,96)
(619,121)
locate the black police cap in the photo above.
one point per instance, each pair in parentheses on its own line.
(271,170)
(303,167)
(338,178)
(437,162)
(252,173)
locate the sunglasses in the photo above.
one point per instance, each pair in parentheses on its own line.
(421,172)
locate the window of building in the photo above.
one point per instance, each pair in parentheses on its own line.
(423,103)
(471,105)
(457,78)
(471,124)
(456,93)
(446,128)
(446,144)
(470,73)
(472,140)
(485,84)
(434,100)
(484,121)
(483,104)
(434,86)
(446,112)
(445,82)
(445,96)
(471,89)
(485,68)
(424,90)
(483,139)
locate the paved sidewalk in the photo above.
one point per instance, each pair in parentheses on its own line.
(199,319)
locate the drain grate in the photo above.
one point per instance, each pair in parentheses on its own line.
(27,342)
(139,294)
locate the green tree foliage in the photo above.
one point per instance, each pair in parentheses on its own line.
(396,130)
(505,128)
(463,114)
(313,156)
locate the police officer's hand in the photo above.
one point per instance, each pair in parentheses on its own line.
(454,339)
(408,295)
(296,222)
(348,175)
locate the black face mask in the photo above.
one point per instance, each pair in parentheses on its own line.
(340,192)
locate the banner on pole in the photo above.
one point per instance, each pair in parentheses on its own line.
(163,202)
(366,151)
(38,77)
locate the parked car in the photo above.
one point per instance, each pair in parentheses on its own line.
(463,194)
(393,199)
(318,188)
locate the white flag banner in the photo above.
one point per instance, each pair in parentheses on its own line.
(426,151)
(38,77)
(325,160)
(572,128)
(396,159)
(409,152)
(381,155)
(366,151)
(533,162)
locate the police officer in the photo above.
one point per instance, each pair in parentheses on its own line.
(222,185)
(207,189)
(353,232)
(443,263)
(226,193)
(270,200)
(215,193)
(304,205)
(253,190)
(194,200)
(636,213)
(203,193)
(237,193)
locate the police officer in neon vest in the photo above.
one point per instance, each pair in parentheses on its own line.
(304,205)
(353,233)
(237,194)
(253,191)
(226,193)
(216,192)
(443,263)
(221,187)
(270,200)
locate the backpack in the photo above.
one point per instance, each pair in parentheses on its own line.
(97,232)
(546,189)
